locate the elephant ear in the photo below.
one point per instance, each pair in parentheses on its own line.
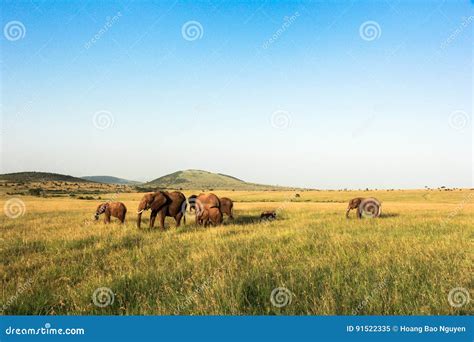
(160,199)
(149,200)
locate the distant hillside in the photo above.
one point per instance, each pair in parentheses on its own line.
(198,179)
(40,177)
(110,180)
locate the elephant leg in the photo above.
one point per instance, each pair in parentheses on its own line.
(162,219)
(152,218)
(359,213)
(178,219)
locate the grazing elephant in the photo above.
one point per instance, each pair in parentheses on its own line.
(163,203)
(367,207)
(354,204)
(211,216)
(207,208)
(115,209)
(227,207)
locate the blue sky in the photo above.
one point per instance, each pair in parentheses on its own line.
(289,93)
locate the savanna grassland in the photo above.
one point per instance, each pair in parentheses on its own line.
(54,256)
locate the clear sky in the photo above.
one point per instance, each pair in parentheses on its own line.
(315,94)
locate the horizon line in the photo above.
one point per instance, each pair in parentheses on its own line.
(441,188)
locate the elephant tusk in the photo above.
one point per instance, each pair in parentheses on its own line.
(140,211)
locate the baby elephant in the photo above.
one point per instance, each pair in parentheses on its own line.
(115,209)
(354,204)
(268,215)
(211,216)
(365,207)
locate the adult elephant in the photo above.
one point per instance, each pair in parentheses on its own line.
(227,207)
(172,204)
(207,208)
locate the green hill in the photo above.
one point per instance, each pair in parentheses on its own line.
(199,179)
(110,180)
(40,177)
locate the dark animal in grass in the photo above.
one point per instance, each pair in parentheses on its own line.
(227,207)
(367,207)
(115,209)
(172,204)
(207,208)
(268,215)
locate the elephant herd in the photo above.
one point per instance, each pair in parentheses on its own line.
(208,208)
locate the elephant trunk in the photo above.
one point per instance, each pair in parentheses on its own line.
(139,219)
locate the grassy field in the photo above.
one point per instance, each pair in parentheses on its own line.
(311,260)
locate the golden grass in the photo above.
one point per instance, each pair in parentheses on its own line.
(405,262)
